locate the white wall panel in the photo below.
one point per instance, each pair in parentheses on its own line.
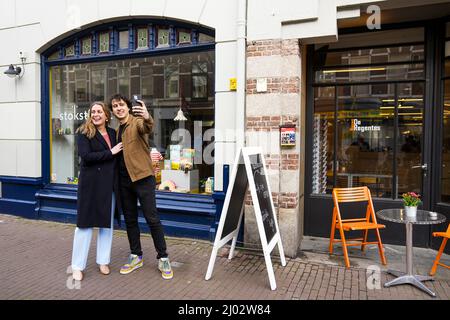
(24,38)
(225,65)
(29,158)
(8,165)
(28,40)
(222,16)
(23,121)
(88,12)
(7,87)
(184,10)
(324,29)
(7,13)
(28,87)
(263,21)
(31,11)
(55,25)
(224,154)
(225,113)
(154,7)
(8,54)
(294,10)
(108,8)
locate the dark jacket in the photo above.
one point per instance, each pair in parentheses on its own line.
(136,150)
(97,181)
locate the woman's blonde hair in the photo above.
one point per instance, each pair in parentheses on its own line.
(88,127)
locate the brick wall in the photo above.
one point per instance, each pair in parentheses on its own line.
(278,62)
(270,123)
(272,48)
(276,85)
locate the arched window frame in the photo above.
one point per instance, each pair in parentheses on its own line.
(55,55)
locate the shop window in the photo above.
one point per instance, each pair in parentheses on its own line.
(364,135)
(365,73)
(445,153)
(400,53)
(165,83)
(104,42)
(323,142)
(86,46)
(445,174)
(355,141)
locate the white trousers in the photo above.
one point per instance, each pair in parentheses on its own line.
(82,242)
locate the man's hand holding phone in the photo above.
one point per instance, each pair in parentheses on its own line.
(139,109)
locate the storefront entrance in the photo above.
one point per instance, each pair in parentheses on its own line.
(378,117)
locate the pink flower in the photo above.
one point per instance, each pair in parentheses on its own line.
(411,199)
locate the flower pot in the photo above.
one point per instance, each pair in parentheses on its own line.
(411,211)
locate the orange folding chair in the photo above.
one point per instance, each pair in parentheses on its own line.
(369,222)
(446,236)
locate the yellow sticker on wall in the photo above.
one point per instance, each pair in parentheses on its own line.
(233,84)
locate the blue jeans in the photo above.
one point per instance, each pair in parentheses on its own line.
(82,242)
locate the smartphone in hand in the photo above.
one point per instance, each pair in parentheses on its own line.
(134,101)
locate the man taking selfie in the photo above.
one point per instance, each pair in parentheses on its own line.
(137,181)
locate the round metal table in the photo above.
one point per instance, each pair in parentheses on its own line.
(423,217)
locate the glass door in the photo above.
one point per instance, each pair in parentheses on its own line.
(374,138)
(369,123)
(441,140)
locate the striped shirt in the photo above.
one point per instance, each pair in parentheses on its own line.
(156,158)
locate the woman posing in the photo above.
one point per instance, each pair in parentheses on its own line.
(97,189)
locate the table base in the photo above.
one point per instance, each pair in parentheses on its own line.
(415,280)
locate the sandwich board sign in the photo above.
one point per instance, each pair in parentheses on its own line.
(249,170)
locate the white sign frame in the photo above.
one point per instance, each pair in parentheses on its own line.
(245,154)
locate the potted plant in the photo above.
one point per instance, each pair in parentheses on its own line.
(411,200)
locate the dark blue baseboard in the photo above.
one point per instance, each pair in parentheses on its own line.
(18,208)
(18,196)
(182,215)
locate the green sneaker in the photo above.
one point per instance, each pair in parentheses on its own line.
(165,268)
(134,262)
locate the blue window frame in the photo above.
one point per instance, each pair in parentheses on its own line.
(56,55)
(182,215)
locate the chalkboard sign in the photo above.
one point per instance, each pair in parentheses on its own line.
(264,196)
(235,207)
(248,172)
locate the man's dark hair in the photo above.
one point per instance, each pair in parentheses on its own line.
(119,96)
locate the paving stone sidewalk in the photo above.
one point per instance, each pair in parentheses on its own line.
(35,256)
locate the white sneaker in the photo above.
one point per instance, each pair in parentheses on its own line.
(165,268)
